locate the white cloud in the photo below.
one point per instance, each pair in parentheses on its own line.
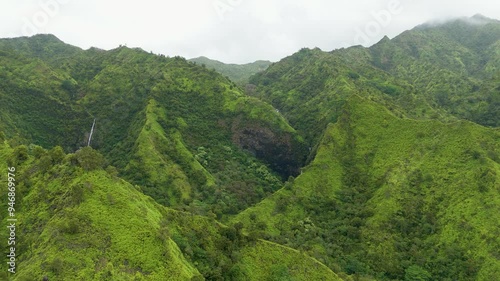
(248,29)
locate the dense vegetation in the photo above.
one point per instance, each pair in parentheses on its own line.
(456,66)
(430,72)
(79,221)
(389,194)
(186,134)
(378,163)
(378,207)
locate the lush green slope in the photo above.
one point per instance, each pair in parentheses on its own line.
(455,65)
(310,87)
(387,196)
(77,221)
(186,134)
(430,72)
(239,73)
(34,103)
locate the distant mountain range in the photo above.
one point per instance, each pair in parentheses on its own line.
(378,163)
(239,73)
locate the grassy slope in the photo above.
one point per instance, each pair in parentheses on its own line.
(159,168)
(76,225)
(267,260)
(81,224)
(417,185)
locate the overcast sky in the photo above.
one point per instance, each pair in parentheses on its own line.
(232,31)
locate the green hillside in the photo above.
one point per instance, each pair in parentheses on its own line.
(429,72)
(386,195)
(455,65)
(310,87)
(79,221)
(30,89)
(186,134)
(239,73)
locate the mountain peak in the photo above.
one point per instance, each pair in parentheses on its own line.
(46,36)
(479,19)
(385,39)
(476,20)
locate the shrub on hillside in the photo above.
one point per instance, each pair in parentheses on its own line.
(89,159)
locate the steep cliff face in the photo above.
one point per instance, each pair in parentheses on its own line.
(283,151)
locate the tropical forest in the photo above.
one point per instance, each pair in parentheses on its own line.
(357,164)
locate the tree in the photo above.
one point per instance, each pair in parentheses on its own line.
(416,273)
(20,154)
(69,86)
(57,154)
(37,151)
(89,159)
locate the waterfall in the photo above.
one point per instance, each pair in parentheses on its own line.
(91,132)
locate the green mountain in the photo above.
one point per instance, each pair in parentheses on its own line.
(239,73)
(35,105)
(79,221)
(186,134)
(456,65)
(378,163)
(310,87)
(182,134)
(432,71)
(386,196)
(397,186)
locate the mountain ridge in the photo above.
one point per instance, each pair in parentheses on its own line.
(239,73)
